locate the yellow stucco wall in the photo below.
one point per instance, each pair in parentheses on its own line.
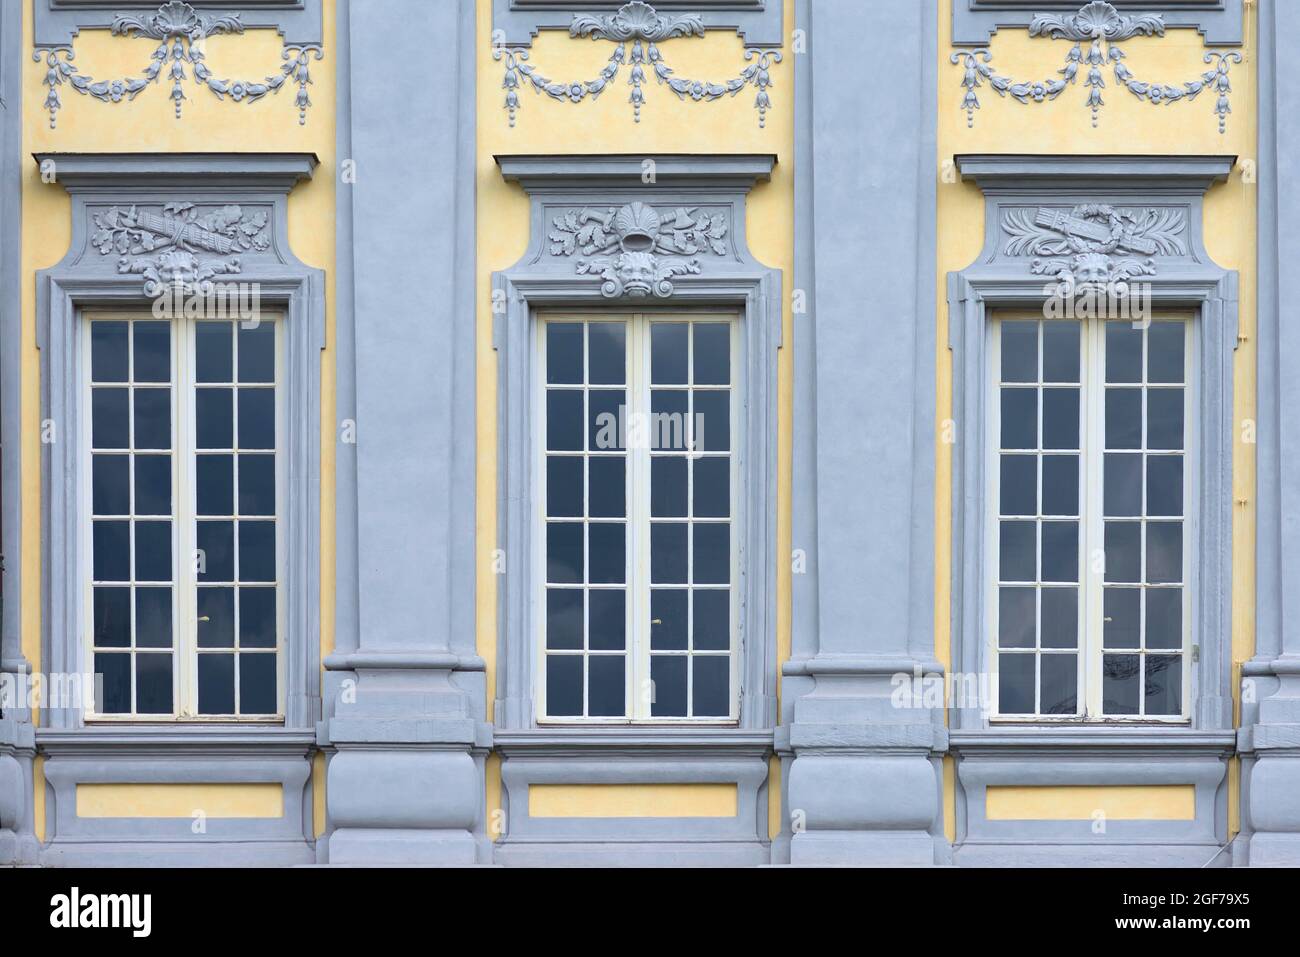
(1128,126)
(606,125)
(147,124)
(180,800)
(1173,802)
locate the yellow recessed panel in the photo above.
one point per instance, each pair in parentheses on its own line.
(1115,803)
(632,800)
(180,800)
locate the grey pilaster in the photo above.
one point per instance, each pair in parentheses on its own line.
(1270,720)
(405,782)
(864,785)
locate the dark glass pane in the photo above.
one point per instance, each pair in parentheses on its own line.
(668,675)
(564,353)
(672,405)
(564,486)
(564,553)
(257,551)
(257,352)
(114,673)
(711,424)
(1165,419)
(668,352)
(712,557)
(1165,485)
(1122,613)
(1060,617)
(212,351)
(1123,419)
(711,686)
(606,352)
(214,484)
(216,610)
(564,686)
(153,551)
(1164,552)
(1018,490)
(112,609)
(257,625)
(1119,684)
(564,421)
(607,560)
(1060,485)
(1017,550)
(668,487)
(1019,351)
(112,551)
(1016,684)
(153,618)
(608,620)
(257,418)
(153,485)
(153,352)
(257,485)
(216,546)
(668,554)
(1164,618)
(1164,684)
(606,486)
(1166,347)
(1061,351)
(1017,617)
(609,428)
(1019,419)
(1123,484)
(564,619)
(108,351)
(257,684)
(668,611)
(1060,684)
(216,684)
(214,419)
(1123,352)
(712,488)
(1060,552)
(153,684)
(111,485)
(711,620)
(1123,552)
(1061,418)
(606,688)
(110,419)
(712,353)
(153,418)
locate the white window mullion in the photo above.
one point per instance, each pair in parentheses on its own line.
(1092,475)
(638,521)
(186,632)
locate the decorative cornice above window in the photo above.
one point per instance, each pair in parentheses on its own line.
(179,28)
(759,22)
(636,28)
(1094,29)
(975,21)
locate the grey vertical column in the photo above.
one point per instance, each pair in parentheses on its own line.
(17,741)
(865,783)
(405,782)
(1270,736)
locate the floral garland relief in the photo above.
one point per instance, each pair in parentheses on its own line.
(181,32)
(1097,26)
(639,25)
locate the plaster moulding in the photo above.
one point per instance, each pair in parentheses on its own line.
(1095,30)
(636,29)
(180,31)
(975,21)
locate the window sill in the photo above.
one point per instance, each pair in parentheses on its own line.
(1080,738)
(633,740)
(174,738)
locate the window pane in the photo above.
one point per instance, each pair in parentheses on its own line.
(1164,552)
(153,684)
(712,353)
(1019,485)
(564,686)
(216,551)
(257,352)
(1019,418)
(606,561)
(213,353)
(1122,618)
(257,418)
(1164,684)
(668,675)
(712,557)
(114,671)
(668,554)
(153,618)
(711,687)
(712,488)
(609,429)
(109,418)
(1061,351)
(1123,484)
(257,551)
(711,425)
(1060,418)
(564,486)
(1019,351)
(1123,551)
(153,352)
(214,484)
(257,625)
(1018,550)
(1166,351)
(606,351)
(1060,485)
(1017,617)
(1060,684)
(1016,683)
(606,486)
(564,421)
(1165,419)
(153,485)
(564,619)
(216,613)
(711,624)
(216,683)
(564,553)
(1123,352)
(257,485)
(1060,552)
(1119,684)
(608,620)
(214,419)
(1164,618)
(112,611)
(668,487)
(606,691)
(668,353)
(111,485)
(564,353)
(108,351)
(257,684)
(668,619)
(153,418)
(1123,418)
(112,551)
(1060,618)
(1165,485)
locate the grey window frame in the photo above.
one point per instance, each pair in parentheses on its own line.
(974,22)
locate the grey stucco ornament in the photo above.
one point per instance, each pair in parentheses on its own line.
(1094,30)
(637,28)
(180,30)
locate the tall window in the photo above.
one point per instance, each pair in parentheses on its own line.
(637,548)
(1091,612)
(185,552)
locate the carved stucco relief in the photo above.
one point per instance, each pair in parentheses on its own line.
(637,29)
(180,30)
(1094,30)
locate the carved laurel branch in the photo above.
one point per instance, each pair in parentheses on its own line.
(1098,25)
(637,23)
(180,31)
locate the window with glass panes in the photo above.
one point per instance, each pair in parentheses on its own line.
(637,548)
(184,493)
(1091,612)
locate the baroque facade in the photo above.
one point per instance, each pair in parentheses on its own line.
(721,432)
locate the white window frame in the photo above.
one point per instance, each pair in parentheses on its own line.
(1090,652)
(185,650)
(637,498)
